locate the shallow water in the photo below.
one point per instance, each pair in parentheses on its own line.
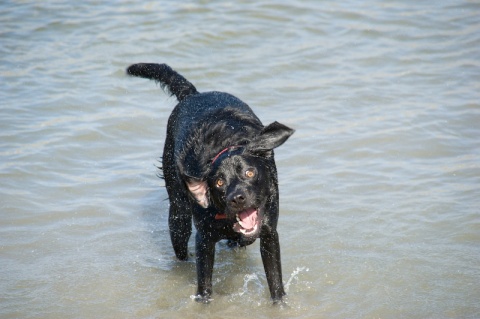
(379,185)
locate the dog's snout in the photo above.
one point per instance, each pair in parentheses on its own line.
(237,200)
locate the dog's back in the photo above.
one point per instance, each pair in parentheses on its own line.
(193,107)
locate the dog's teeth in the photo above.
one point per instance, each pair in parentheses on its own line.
(238,219)
(248,231)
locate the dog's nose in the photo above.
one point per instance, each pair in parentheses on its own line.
(238,200)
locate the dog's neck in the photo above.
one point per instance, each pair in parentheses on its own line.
(230,148)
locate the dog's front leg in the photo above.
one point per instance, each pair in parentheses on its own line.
(270,251)
(205,256)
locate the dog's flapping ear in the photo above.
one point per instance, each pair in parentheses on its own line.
(199,191)
(271,136)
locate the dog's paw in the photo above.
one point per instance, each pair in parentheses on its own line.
(202,299)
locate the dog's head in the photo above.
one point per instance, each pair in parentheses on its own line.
(241,179)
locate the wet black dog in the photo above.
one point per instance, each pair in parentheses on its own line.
(219,167)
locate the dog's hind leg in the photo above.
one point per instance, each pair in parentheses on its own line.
(180,224)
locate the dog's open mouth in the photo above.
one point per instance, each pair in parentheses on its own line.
(248,222)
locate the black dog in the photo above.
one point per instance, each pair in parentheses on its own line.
(219,167)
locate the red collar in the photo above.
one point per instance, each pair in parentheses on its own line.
(223,151)
(220,216)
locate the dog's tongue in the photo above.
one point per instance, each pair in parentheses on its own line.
(248,218)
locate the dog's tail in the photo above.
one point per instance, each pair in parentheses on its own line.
(166,76)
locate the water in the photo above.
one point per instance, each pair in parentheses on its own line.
(379,185)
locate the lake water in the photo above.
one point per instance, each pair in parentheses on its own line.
(380,184)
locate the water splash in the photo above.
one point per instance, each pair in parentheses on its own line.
(253,287)
(293,276)
(250,278)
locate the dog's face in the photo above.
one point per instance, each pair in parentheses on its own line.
(239,186)
(240,180)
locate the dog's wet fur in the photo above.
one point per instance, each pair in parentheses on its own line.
(219,168)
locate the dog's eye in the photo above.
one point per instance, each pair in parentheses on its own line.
(250,173)
(219,182)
